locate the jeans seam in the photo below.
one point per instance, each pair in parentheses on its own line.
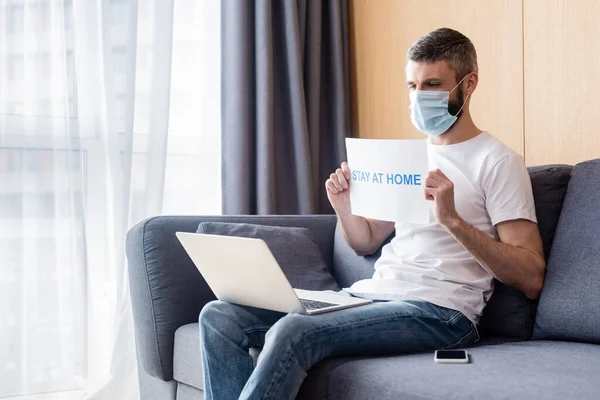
(453,318)
(283,367)
(462,339)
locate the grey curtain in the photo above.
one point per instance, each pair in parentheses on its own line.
(285,103)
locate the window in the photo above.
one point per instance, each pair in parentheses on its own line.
(42,270)
(53,173)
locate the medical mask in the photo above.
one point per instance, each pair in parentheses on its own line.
(429,110)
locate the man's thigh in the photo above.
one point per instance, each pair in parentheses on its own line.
(245,325)
(375,329)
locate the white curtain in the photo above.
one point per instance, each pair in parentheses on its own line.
(109,113)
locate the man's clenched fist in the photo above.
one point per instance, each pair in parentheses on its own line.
(440,190)
(338,189)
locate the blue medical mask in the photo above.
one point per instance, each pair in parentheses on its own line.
(429,110)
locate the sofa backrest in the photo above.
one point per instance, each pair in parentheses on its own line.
(347,266)
(569,307)
(509,312)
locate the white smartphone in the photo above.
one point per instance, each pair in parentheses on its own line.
(451,357)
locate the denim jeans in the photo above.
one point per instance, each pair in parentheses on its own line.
(293,343)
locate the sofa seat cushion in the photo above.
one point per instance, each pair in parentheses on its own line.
(187,360)
(499,369)
(187,364)
(512,370)
(185,392)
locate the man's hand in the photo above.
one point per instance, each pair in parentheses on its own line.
(364,235)
(338,189)
(440,190)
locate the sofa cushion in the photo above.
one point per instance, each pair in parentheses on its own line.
(509,312)
(549,184)
(514,370)
(295,249)
(187,363)
(347,266)
(499,369)
(568,307)
(185,392)
(187,359)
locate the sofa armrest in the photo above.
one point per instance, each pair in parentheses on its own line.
(167,291)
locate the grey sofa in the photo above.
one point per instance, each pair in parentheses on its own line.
(529,350)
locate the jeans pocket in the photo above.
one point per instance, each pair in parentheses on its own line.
(456,316)
(466,340)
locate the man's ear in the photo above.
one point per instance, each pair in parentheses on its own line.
(471,82)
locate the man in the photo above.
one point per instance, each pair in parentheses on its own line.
(433,281)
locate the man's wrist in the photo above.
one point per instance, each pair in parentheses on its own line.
(343,213)
(453,224)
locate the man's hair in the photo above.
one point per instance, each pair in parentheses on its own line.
(448,45)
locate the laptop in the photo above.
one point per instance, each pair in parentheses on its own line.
(244,271)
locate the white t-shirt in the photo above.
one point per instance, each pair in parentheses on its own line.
(424,262)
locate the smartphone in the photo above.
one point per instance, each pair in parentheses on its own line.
(451,357)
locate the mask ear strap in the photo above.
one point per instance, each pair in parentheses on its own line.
(464,102)
(461,81)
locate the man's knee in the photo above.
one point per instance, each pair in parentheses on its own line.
(296,333)
(213,311)
(289,329)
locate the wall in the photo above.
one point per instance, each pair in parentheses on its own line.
(562,85)
(538,92)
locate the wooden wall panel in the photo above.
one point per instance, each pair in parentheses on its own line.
(381,32)
(562,82)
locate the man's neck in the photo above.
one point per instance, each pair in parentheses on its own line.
(462,130)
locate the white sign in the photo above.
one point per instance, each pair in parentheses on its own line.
(387,179)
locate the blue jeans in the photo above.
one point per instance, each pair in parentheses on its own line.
(293,343)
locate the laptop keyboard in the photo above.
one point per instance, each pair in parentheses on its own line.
(315,305)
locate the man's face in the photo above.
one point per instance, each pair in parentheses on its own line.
(435,76)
